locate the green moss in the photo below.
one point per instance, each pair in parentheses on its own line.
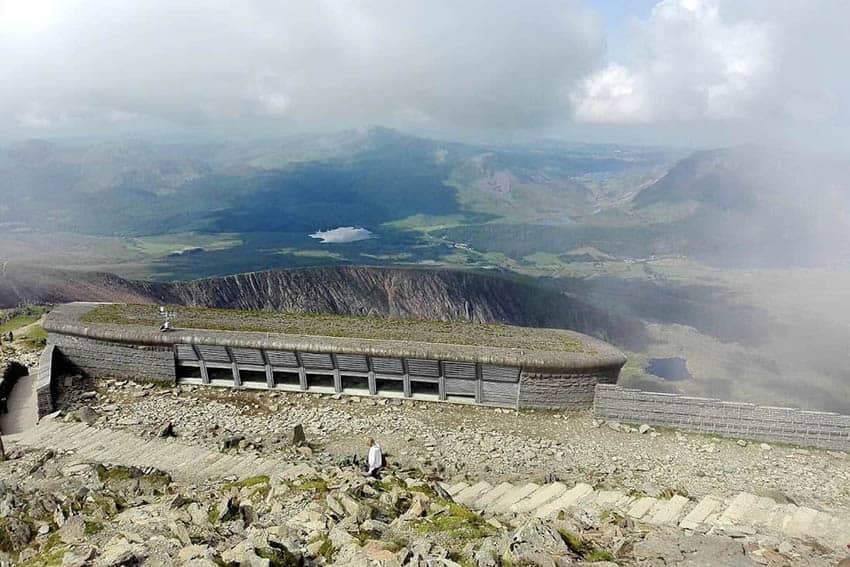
(278,557)
(583,547)
(156,481)
(612,516)
(599,555)
(457,522)
(317,485)
(48,557)
(261,484)
(575,542)
(327,549)
(113,474)
(92,528)
(103,505)
(251,481)
(6,543)
(462,559)
(395,544)
(213,515)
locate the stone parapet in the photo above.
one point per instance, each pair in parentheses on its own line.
(728,419)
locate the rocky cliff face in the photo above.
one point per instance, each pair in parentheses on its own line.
(443,295)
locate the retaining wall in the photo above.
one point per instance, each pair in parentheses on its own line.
(728,419)
(44,386)
(104,359)
(560,391)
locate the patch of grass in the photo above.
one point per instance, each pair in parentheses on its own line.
(345,326)
(278,557)
(261,484)
(327,549)
(47,557)
(583,547)
(213,515)
(113,474)
(457,522)
(599,555)
(318,485)
(395,544)
(575,542)
(462,559)
(156,480)
(91,528)
(17,322)
(250,481)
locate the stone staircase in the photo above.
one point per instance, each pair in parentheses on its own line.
(184,462)
(743,514)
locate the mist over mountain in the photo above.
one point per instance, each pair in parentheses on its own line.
(753,207)
(711,256)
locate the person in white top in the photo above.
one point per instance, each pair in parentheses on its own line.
(375,459)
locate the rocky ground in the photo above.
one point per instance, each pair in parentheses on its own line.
(56,510)
(470,442)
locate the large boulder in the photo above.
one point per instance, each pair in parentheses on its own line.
(538,543)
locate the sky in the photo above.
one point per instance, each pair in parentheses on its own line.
(684,72)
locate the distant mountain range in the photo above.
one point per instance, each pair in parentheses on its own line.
(428,201)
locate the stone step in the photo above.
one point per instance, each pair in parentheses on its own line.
(454,489)
(641,507)
(503,504)
(472,493)
(539,497)
(571,497)
(492,495)
(610,500)
(701,513)
(668,512)
(124,448)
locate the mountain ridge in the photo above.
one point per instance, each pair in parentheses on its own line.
(406,293)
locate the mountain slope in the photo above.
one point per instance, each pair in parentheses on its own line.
(444,295)
(754,207)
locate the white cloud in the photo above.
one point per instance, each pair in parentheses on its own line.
(342,235)
(477,64)
(692,60)
(729,72)
(722,70)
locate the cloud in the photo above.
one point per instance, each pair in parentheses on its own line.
(478,64)
(695,61)
(342,235)
(750,67)
(722,71)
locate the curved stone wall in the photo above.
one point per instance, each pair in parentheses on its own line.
(439,372)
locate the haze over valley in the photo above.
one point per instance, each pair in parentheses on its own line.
(713,256)
(679,169)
